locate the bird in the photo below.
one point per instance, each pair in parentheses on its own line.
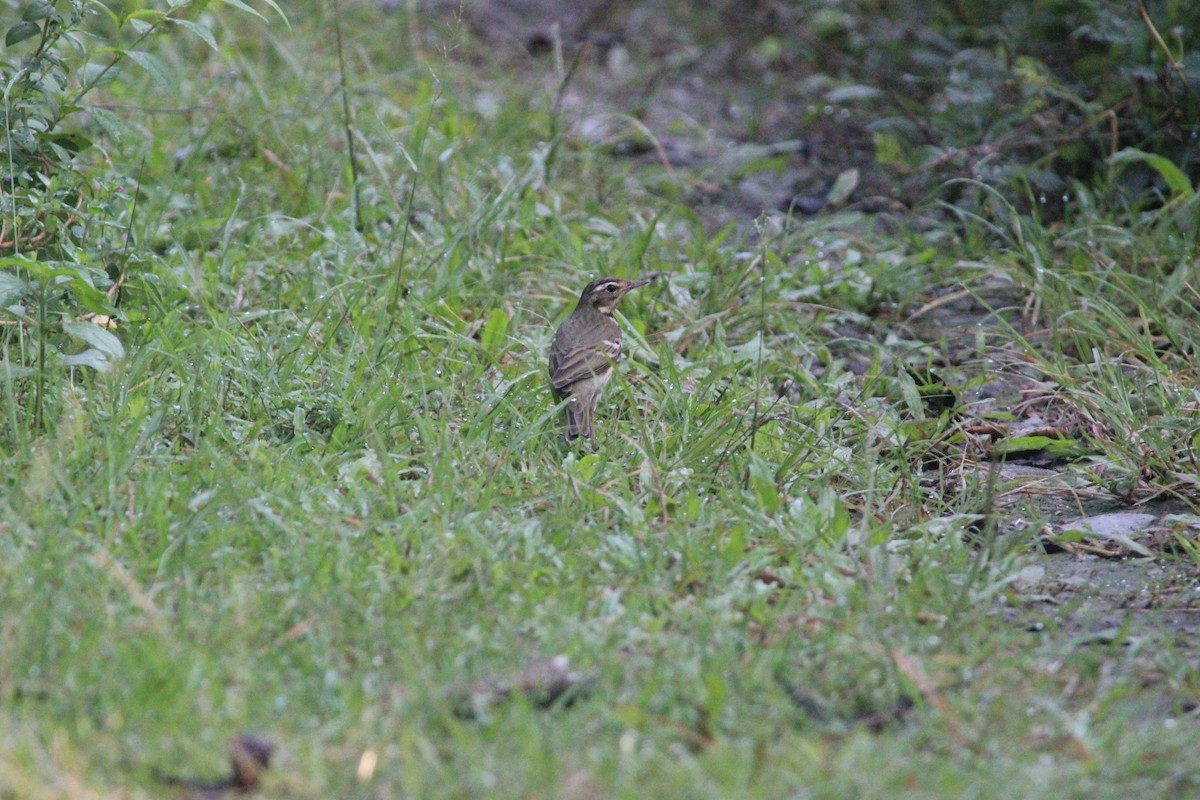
(584,349)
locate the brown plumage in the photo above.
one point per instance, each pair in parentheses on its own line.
(584,349)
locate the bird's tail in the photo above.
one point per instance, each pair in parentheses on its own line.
(579,419)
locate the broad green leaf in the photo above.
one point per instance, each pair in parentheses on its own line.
(238,4)
(151,64)
(81,281)
(37,10)
(97,337)
(112,16)
(99,74)
(20,32)
(108,122)
(843,187)
(87,295)
(88,358)
(11,288)
(197,30)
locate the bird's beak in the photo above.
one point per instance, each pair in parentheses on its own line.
(642,281)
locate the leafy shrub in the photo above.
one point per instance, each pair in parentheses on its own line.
(65,243)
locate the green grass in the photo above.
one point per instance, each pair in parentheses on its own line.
(326,489)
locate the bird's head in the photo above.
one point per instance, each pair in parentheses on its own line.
(604,294)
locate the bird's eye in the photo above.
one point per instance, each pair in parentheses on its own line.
(612,287)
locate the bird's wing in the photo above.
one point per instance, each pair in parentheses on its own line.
(571,365)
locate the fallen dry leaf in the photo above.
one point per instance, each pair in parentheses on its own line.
(249,756)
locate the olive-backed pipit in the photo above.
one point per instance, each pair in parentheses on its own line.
(584,349)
